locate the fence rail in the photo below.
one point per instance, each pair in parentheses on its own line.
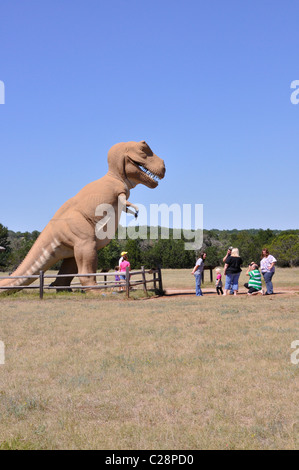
(127,283)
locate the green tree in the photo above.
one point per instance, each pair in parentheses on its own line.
(285,248)
(170,254)
(22,247)
(264,238)
(214,257)
(248,247)
(148,256)
(134,253)
(108,256)
(179,257)
(4,242)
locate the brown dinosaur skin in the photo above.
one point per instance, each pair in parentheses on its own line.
(71,233)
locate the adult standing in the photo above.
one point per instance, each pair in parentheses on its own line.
(197,272)
(228,253)
(268,269)
(232,270)
(123,253)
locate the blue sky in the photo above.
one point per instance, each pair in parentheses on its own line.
(205,83)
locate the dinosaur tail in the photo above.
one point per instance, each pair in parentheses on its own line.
(41,257)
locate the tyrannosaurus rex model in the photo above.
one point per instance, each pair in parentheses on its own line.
(80,227)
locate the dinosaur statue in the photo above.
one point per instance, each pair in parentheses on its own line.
(78,229)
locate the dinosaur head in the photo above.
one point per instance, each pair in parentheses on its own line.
(136,163)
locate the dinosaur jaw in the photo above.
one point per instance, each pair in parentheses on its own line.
(151,176)
(146,176)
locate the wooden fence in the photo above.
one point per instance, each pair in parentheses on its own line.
(127,284)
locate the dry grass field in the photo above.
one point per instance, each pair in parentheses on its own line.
(176,372)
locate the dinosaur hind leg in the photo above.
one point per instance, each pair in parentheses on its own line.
(69,266)
(87,260)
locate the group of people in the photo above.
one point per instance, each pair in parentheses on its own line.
(232,270)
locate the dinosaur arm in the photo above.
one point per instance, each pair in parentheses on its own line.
(126,204)
(129,204)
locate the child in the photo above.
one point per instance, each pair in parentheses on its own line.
(254,284)
(219,281)
(117,278)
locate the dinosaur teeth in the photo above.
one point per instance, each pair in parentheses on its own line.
(149,173)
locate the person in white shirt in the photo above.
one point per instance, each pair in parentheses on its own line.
(123,253)
(197,272)
(268,269)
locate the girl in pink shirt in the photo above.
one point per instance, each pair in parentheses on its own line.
(218,281)
(123,265)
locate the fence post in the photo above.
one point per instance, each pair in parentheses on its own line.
(127,282)
(160,280)
(155,280)
(144,279)
(41,285)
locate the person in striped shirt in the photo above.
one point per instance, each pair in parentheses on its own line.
(254,284)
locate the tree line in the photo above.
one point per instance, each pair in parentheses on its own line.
(169,253)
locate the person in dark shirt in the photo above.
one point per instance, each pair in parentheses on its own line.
(228,253)
(232,270)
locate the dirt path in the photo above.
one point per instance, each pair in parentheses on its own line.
(173,292)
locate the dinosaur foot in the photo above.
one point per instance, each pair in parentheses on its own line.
(67,289)
(94,292)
